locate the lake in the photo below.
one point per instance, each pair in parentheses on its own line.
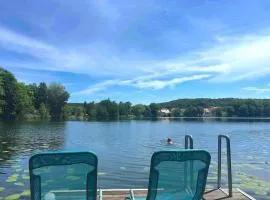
(124,149)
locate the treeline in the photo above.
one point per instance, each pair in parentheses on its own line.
(107,109)
(41,101)
(224,107)
(229,107)
(21,101)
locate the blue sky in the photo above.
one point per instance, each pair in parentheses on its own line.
(140,51)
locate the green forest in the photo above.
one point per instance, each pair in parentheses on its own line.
(227,107)
(33,101)
(19,101)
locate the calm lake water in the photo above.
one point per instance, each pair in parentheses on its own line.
(124,149)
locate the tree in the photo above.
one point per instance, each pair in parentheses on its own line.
(124,108)
(84,107)
(266,110)
(23,101)
(243,111)
(108,107)
(230,111)
(147,112)
(138,110)
(218,112)
(42,94)
(2,92)
(91,110)
(77,111)
(9,84)
(193,112)
(102,112)
(154,109)
(176,112)
(57,99)
(43,111)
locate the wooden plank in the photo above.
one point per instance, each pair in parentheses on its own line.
(219,194)
(209,195)
(121,194)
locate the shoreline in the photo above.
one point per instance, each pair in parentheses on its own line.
(142,118)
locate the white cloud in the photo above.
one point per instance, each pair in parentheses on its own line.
(50,57)
(160,84)
(141,83)
(233,59)
(256,89)
(9,37)
(97,87)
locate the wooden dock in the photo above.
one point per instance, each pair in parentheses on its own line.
(217,194)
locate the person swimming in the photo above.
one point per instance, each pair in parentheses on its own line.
(169,140)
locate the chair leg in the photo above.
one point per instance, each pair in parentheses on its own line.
(131,194)
(100,194)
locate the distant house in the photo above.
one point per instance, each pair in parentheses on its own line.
(207,112)
(164,112)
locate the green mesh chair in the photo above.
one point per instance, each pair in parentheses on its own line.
(63,176)
(178,175)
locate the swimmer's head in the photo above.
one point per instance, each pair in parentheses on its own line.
(169,140)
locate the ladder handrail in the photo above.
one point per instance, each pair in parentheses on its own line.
(229,164)
(188,142)
(189,145)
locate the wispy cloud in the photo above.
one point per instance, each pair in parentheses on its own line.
(160,84)
(97,87)
(236,58)
(257,89)
(141,83)
(52,57)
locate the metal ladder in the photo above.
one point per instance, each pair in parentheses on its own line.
(189,145)
(229,163)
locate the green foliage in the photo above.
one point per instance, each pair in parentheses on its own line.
(77,111)
(193,112)
(44,111)
(176,112)
(102,112)
(91,110)
(138,110)
(42,94)
(23,101)
(230,111)
(218,112)
(20,101)
(57,99)
(9,84)
(124,108)
(243,111)
(154,109)
(227,107)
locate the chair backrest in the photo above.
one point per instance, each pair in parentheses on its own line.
(64,175)
(178,175)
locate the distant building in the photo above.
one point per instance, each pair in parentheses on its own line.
(209,112)
(165,111)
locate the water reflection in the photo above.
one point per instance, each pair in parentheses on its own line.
(19,139)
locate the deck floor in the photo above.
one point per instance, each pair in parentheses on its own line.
(209,195)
